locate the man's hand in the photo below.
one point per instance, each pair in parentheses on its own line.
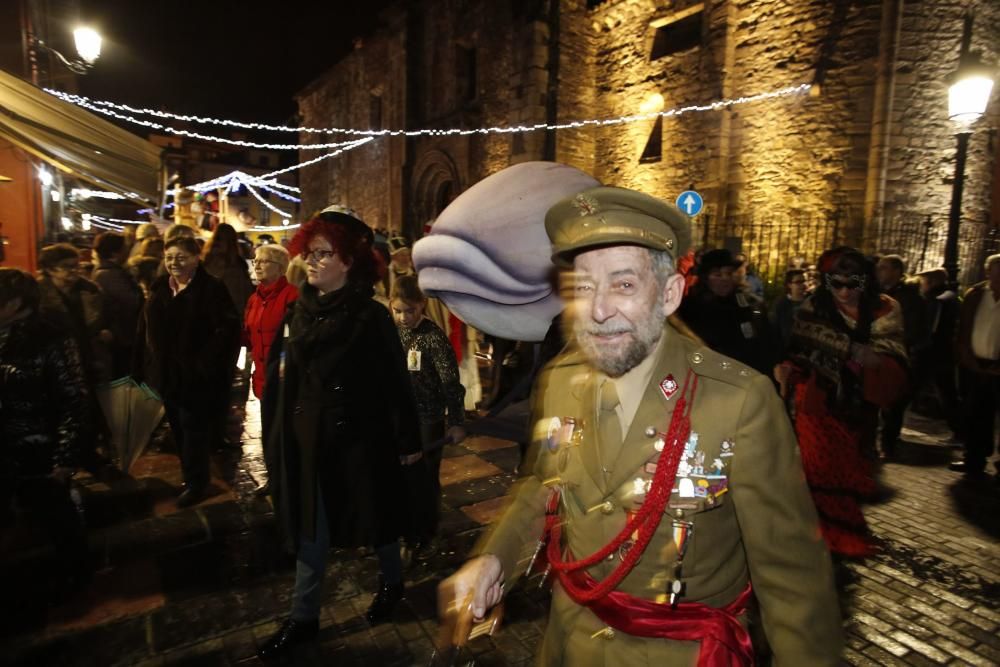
(480,579)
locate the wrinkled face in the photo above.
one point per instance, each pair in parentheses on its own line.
(179,263)
(618,307)
(722,281)
(888,274)
(266,269)
(846,290)
(324,269)
(407,313)
(65,273)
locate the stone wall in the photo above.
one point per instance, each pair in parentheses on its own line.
(922,162)
(869,142)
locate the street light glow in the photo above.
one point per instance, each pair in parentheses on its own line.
(88,44)
(968,96)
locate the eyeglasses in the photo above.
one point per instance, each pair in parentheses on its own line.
(853,282)
(258,262)
(177,259)
(317,256)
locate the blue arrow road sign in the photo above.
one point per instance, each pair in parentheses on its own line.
(690,202)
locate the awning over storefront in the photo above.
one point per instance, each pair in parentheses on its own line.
(77,141)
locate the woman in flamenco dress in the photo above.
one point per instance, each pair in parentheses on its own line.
(846,360)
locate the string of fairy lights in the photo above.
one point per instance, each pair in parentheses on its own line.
(268,183)
(112,109)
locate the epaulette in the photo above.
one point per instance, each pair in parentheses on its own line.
(706,362)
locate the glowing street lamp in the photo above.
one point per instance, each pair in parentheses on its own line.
(88,49)
(968,94)
(88,44)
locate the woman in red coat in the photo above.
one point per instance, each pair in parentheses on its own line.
(264,312)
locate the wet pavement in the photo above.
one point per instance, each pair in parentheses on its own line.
(205,586)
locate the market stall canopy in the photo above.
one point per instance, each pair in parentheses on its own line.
(77,141)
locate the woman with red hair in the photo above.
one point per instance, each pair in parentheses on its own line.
(847,360)
(340,420)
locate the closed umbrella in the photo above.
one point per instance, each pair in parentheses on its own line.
(132,411)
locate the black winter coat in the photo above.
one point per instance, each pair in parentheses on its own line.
(735,326)
(338,412)
(187,344)
(45,417)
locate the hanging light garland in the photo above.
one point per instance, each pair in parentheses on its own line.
(105,107)
(75,99)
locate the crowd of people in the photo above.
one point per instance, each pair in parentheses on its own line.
(359,389)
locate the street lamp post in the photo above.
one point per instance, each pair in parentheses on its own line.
(968,93)
(88,49)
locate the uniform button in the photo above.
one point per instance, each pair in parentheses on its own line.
(650,432)
(725,365)
(744,372)
(336,388)
(697,358)
(341,423)
(607,507)
(297,410)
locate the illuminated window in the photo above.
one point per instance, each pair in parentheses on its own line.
(654,145)
(680,33)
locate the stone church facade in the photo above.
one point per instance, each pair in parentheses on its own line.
(865,157)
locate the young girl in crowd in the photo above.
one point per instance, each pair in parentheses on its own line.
(439,395)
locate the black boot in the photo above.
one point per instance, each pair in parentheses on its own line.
(384,602)
(291,633)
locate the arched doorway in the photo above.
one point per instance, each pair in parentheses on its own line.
(436,183)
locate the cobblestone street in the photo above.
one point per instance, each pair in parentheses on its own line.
(206,585)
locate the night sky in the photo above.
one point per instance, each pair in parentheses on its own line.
(230,59)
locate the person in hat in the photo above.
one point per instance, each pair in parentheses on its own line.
(341,423)
(400,260)
(729,320)
(847,360)
(663,486)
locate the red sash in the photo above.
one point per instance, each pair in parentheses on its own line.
(724,640)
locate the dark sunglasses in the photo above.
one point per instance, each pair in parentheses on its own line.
(854,282)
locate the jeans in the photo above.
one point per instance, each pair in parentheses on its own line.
(310,566)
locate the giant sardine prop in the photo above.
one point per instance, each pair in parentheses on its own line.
(487,255)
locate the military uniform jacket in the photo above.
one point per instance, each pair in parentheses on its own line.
(740,483)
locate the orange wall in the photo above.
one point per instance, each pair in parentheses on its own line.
(20,207)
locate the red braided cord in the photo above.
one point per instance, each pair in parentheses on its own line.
(646,520)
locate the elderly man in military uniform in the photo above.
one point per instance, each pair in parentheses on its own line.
(665,489)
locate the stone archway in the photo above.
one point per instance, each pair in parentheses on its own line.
(436,182)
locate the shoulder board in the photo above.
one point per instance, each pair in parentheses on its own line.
(706,362)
